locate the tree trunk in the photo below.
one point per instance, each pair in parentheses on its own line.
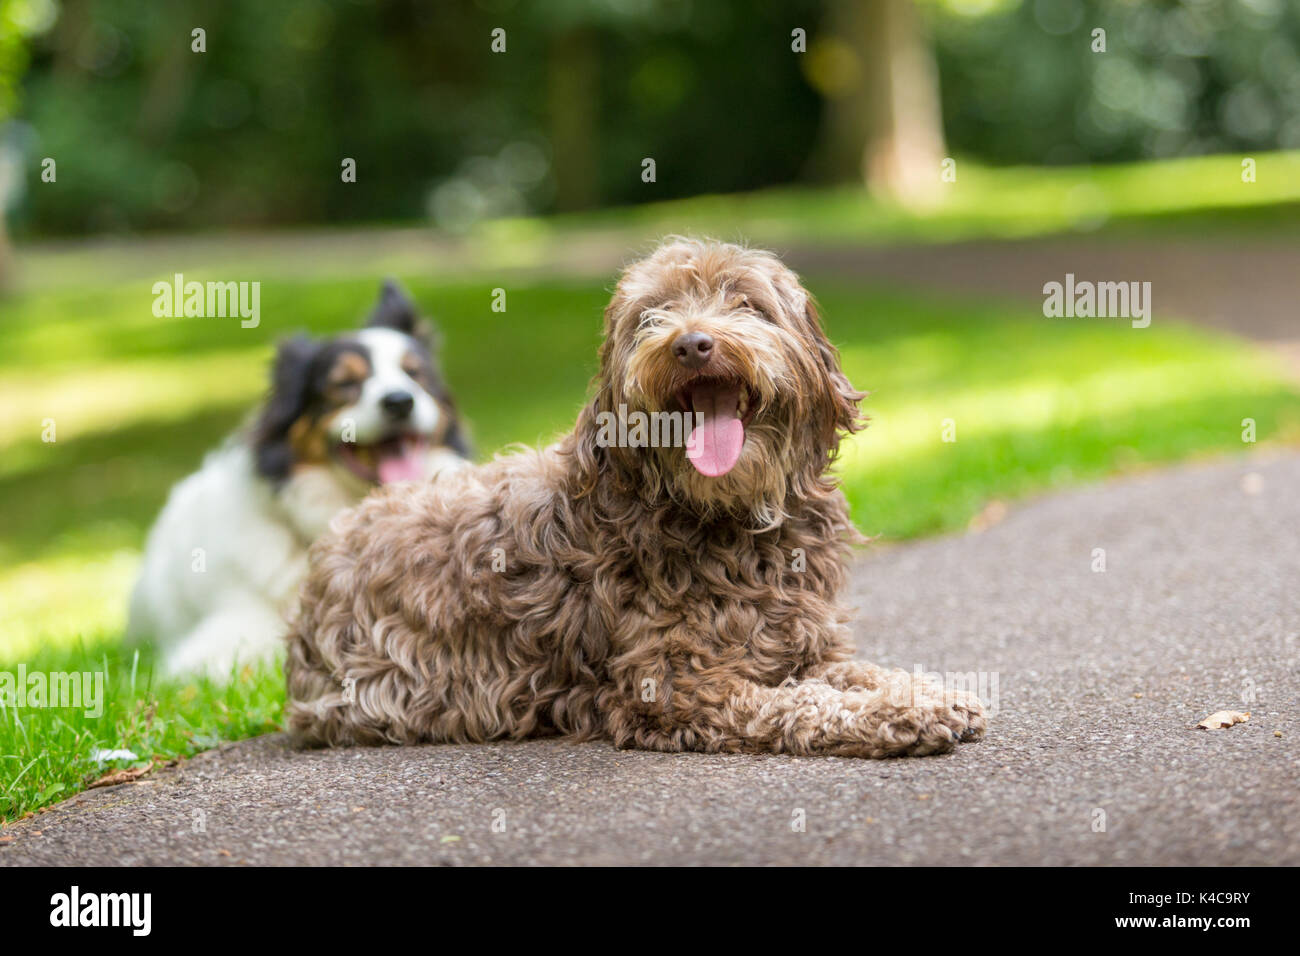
(171,76)
(574,76)
(6,255)
(885,126)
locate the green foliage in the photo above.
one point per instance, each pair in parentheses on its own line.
(48,753)
(1021,81)
(13,53)
(149,134)
(254,130)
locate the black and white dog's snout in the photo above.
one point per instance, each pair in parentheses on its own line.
(397,405)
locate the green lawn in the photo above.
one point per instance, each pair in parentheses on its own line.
(48,754)
(1176,197)
(135,401)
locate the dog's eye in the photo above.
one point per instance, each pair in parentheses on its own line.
(413,367)
(348,373)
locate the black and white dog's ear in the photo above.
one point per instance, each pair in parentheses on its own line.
(395,310)
(290,394)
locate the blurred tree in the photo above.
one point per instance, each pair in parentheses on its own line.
(574,100)
(153,135)
(883,122)
(252,131)
(1072,81)
(13,60)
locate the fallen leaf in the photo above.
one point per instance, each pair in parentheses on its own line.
(118,776)
(450,839)
(1223,718)
(129,775)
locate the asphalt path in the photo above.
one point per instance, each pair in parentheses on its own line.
(1097,679)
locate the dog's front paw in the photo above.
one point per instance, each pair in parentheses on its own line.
(963,714)
(939,717)
(937,724)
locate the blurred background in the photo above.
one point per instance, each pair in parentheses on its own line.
(447,133)
(153,136)
(927,165)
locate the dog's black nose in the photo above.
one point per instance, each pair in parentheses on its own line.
(693,349)
(397,404)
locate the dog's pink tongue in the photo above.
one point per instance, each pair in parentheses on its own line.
(714,444)
(404,462)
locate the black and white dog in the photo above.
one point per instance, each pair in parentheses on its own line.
(225,558)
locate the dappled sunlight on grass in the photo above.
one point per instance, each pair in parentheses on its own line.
(1033,404)
(86,399)
(55,603)
(96,493)
(982,201)
(1047,404)
(1175,197)
(932,486)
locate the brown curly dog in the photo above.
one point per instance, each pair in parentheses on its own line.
(666,595)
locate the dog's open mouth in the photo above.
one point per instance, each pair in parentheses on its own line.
(396,458)
(722,409)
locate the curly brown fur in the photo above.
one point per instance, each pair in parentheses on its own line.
(618,592)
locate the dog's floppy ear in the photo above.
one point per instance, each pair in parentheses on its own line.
(395,310)
(843,413)
(290,381)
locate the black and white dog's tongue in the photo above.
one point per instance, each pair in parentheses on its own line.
(403,460)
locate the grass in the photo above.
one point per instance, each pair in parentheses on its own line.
(134,402)
(49,753)
(1176,197)
(1146,200)
(1033,404)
